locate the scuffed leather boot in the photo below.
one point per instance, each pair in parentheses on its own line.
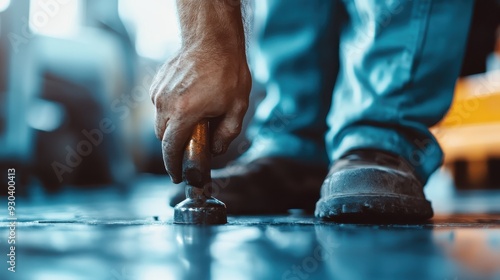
(371,186)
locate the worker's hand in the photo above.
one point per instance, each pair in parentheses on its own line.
(207,79)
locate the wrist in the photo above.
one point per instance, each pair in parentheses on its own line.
(213,26)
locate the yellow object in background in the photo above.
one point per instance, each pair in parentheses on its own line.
(470,132)
(471,129)
(476,101)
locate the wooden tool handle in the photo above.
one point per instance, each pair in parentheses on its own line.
(196,162)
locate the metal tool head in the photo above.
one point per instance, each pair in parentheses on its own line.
(200,209)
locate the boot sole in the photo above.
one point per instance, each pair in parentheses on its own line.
(369,208)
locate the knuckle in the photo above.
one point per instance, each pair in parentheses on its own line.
(241,106)
(158,101)
(233,131)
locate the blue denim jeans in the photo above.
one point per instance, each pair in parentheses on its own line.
(347,75)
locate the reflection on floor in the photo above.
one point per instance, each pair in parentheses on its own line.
(128,235)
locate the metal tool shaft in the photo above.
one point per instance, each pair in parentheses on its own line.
(199,207)
(196,163)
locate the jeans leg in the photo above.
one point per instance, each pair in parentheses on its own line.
(297,60)
(399,63)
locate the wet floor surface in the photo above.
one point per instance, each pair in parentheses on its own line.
(129,235)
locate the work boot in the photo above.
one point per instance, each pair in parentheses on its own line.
(265,186)
(371,186)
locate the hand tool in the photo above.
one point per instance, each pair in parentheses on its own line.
(199,207)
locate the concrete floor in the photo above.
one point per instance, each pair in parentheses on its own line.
(114,234)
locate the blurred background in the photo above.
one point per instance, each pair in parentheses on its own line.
(76,121)
(75,107)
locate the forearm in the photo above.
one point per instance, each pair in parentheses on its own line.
(211,25)
(207,79)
